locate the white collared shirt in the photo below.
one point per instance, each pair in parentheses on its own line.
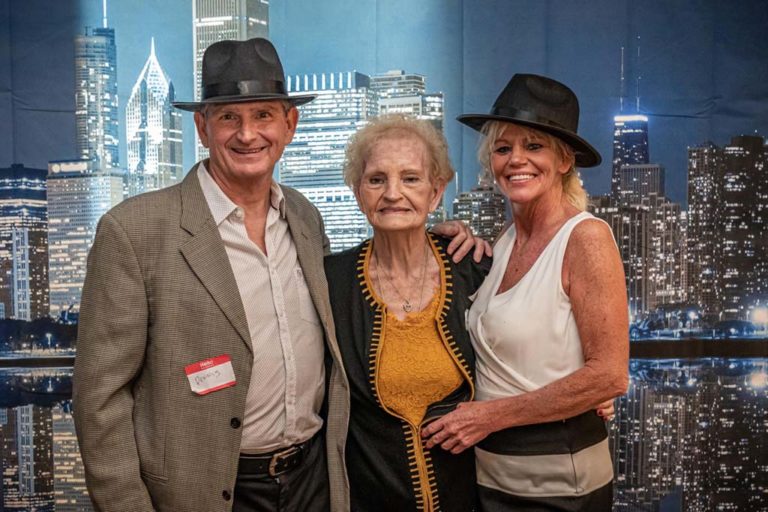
(288,376)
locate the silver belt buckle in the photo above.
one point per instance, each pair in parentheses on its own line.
(278,457)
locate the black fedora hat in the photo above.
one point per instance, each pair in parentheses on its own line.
(240,71)
(541,103)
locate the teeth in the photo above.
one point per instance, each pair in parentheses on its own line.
(521,177)
(246,151)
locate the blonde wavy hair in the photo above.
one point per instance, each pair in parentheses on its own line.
(391,126)
(572,188)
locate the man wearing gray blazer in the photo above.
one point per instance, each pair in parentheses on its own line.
(207,375)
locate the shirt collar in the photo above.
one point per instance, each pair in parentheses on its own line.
(222,206)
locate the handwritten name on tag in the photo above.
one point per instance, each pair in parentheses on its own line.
(210,375)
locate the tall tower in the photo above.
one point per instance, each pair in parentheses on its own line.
(653,262)
(704,243)
(313,163)
(23,242)
(78,196)
(96,107)
(744,219)
(153,131)
(215,20)
(630,147)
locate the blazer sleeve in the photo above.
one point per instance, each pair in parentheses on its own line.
(111,344)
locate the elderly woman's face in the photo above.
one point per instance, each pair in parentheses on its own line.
(525,164)
(396,191)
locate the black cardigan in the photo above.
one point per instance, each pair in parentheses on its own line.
(380,446)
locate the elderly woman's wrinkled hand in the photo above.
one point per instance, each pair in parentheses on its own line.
(463,240)
(463,428)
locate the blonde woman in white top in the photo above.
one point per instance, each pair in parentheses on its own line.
(549,324)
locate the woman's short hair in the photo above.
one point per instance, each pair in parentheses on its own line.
(572,187)
(391,126)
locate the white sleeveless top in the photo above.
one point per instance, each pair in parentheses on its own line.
(526,337)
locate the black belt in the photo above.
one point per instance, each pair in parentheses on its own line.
(274,463)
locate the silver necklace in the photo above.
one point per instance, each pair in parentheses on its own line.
(407,306)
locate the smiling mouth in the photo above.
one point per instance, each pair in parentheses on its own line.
(248,151)
(394,210)
(520,177)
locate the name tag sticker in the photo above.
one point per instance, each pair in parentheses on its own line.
(210,375)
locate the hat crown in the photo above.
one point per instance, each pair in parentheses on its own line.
(241,71)
(233,61)
(543,104)
(547,99)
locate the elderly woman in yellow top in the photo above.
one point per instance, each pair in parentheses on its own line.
(399,305)
(549,324)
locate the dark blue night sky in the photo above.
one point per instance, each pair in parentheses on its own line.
(703,64)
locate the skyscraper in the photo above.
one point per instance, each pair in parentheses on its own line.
(637,181)
(153,130)
(744,223)
(71,494)
(26,450)
(314,161)
(630,146)
(704,243)
(656,257)
(484,208)
(215,20)
(96,107)
(406,93)
(23,242)
(78,196)
(631,228)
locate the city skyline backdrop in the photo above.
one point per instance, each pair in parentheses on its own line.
(690,432)
(701,65)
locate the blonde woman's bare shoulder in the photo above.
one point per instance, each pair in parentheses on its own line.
(589,239)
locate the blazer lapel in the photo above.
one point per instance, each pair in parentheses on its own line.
(206,256)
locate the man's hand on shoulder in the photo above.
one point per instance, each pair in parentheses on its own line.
(463,240)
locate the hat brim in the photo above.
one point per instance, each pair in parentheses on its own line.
(194,106)
(585,154)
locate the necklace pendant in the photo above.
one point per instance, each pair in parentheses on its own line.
(407,307)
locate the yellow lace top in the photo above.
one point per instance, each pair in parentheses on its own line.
(415,368)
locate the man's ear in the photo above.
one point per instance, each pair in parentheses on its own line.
(201,129)
(291,120)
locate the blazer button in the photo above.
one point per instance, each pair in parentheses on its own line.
(234,423)
(226,495)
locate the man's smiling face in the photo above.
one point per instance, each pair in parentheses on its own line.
(245,140)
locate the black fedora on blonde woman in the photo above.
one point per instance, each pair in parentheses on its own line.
(543,104)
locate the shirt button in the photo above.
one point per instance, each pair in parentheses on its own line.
(234,423)
(239,213)
(226,495)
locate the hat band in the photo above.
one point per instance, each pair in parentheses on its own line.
(525,115)
(244,88)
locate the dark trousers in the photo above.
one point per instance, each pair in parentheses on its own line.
(599,500)
(302,489)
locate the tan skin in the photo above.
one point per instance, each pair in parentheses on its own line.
(245,141)
(529,172)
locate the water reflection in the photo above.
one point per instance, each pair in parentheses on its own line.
(689,435)
(41,465)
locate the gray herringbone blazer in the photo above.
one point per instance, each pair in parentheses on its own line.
(160,294)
